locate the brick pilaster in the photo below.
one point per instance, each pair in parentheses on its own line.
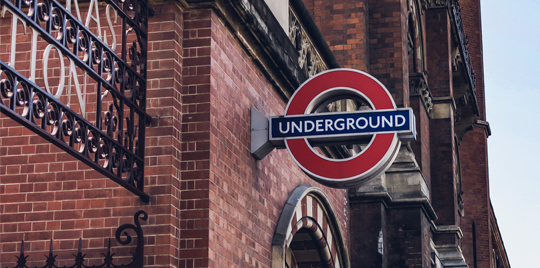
(443,181)
(407,238)
(388,60)
(473,153)
(368,220)
(195,135)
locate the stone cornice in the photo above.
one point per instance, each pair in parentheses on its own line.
(484,125)
(447,229)
(401,186)
(389,202)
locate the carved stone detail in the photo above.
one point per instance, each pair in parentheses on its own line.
(309,59)
(418,86)
(434,3)
(424,4)
(456,59)
(415,37)
(460,103)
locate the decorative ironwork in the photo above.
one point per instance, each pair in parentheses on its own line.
(309,59)
(108,258)
(114,144)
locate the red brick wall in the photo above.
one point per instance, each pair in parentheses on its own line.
(421,147)
(367,219)
(211,203)
(344,24)
(371,39)
(246,195)
(443,182)
(473,150)
(405,238)
(164,141)
(195,135)
(476,198)
(470,14)
(439,65)
(46,193)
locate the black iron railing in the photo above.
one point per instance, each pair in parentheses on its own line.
(113,144)
(108,258)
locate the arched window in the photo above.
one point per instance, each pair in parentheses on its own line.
(308,232)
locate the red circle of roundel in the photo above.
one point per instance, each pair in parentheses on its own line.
(342,170)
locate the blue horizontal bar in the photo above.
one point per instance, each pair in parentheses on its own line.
(342,124)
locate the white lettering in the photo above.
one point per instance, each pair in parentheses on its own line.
(80,95)
(402,122)
(319,124)
(281,128)
(350,122)
(46,55)
(340,126)
(93,4)
(328,125)
(111,28)
(388,122)
(45,71)
(13,34)
(358,123)
(68,7)
(371,123)
(306,129)
(298,127)
(33,52)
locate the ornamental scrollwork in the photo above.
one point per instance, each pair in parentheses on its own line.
(108,137)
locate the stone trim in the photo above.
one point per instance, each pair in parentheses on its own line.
(448,229)
(443,108)
(484,125)
(418,87)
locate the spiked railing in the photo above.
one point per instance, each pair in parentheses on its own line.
(108,258)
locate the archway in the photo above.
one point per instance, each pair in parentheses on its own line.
(308,233)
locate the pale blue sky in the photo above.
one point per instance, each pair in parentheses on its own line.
(511,36)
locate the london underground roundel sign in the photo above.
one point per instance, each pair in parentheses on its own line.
(384,122)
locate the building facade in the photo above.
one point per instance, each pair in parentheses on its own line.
(202,66)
